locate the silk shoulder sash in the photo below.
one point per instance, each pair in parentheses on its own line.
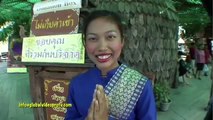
(123,91)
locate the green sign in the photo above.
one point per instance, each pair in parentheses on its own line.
(54,49)
(16,70)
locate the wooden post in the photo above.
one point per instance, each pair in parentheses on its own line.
(53,75)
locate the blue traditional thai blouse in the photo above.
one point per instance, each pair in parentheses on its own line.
(81,94)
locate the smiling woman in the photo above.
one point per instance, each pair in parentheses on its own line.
(110,90)
(103,45)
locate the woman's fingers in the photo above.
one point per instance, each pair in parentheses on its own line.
(96,107)
(91,111)
(101,97)
(107,101)
(100,104)
(100,93)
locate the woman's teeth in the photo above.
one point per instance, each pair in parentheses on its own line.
(104,56)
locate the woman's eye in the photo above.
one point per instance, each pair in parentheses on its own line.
(110,37)
(92,39)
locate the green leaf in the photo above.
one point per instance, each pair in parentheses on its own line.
(132,21)
(134,32)
(121,6)
(127,8)
(145,9)
(170,5)
(141,19)
(168,14)
(133,8)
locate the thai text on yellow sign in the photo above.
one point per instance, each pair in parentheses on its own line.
(54,49)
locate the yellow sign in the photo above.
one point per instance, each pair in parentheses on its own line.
(54,49)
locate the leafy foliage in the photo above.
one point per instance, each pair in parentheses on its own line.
(192,16)
(18,11)
(5,31)
(162,92)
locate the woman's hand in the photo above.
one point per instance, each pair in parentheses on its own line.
(99,108)
(91,111)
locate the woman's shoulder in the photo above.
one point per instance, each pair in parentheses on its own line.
(143,79)
(136,73)
(81,77)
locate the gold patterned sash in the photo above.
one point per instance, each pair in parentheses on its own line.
(123,91)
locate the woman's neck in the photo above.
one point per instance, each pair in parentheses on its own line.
(106,70)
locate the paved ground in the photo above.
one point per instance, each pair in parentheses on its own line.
(14,88)
(188,102)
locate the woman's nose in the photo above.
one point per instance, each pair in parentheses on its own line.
(102,44)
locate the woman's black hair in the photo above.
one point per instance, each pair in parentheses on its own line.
(113,17)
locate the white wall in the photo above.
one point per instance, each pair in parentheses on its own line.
(4,46)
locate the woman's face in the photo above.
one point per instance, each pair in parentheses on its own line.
(103,44)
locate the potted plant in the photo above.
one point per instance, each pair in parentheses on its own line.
(162,95)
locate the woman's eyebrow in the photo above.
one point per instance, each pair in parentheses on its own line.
(111,31)
(95,34)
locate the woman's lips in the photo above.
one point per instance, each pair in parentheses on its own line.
(103,57)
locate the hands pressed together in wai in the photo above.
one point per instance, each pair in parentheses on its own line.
(99,108)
